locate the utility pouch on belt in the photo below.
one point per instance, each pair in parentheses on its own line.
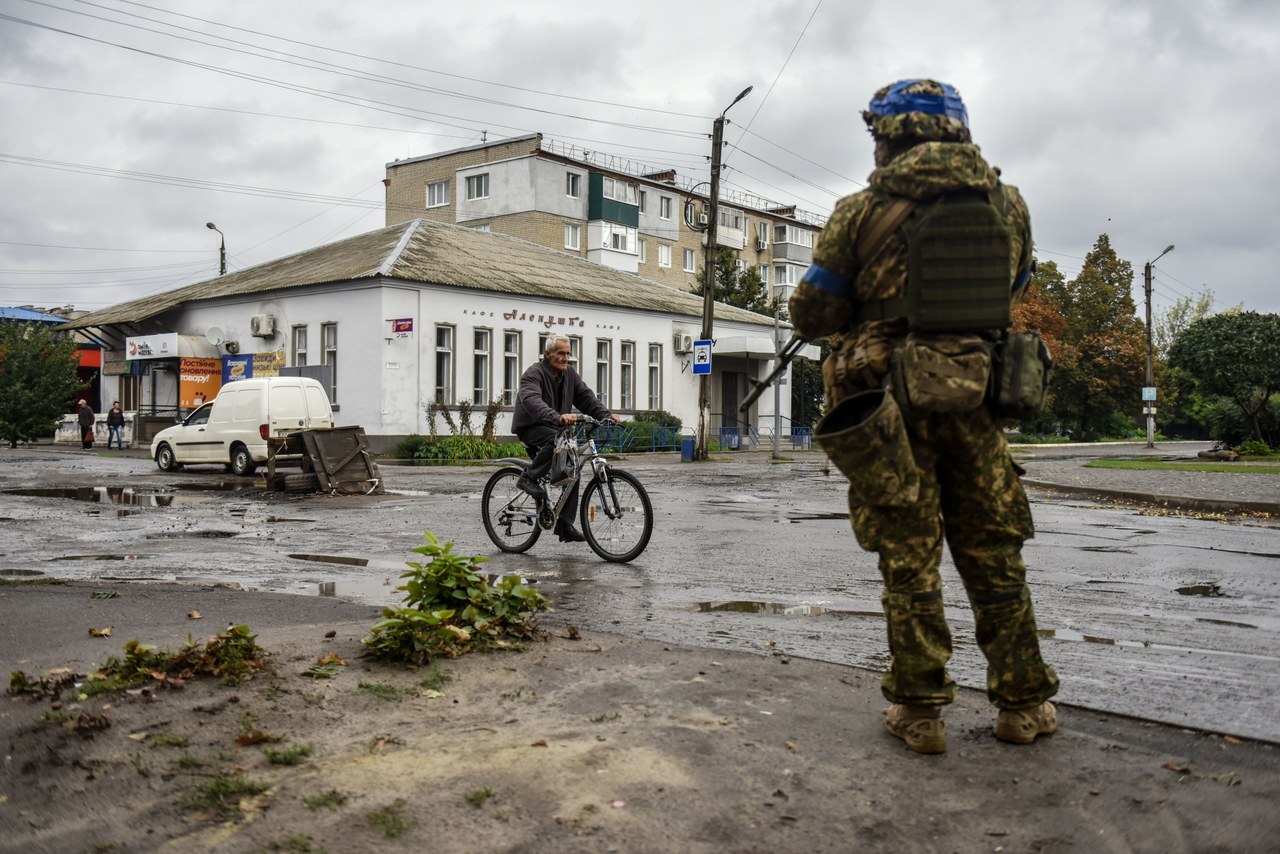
(867,440)
(1019,376)
(941,373)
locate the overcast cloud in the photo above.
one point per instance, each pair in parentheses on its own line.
(125,127)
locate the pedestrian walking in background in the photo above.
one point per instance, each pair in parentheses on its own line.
(908,418)
(115,426)
(86,418)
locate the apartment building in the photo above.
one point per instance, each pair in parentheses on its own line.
(608,210)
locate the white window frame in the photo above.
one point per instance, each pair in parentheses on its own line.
(664,255)
(300,346)
(690,258)
(481,361)
(329,347)
(627,376)
(511,365)
(573,185)
(664,207)
(604,365)
(575,352)
(572,236)
(445,336)
(438,194)
(642,199)
(478,186)
(655,376)
(642,249)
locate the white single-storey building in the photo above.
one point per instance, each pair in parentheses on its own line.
(397,318)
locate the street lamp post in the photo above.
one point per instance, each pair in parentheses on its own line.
(709,274)
(1150,405)
(222,250)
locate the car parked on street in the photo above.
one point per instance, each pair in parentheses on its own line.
(232,430)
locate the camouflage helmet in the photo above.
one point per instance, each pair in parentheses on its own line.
(923,109)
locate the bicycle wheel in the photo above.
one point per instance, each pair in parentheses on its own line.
(618,530)
(510,514)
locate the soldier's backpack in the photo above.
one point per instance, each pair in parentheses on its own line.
(958,250)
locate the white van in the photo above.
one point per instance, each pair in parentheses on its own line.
(233,428)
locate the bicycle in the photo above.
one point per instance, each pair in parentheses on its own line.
(616,515)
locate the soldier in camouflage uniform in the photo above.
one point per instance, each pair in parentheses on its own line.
(970,492)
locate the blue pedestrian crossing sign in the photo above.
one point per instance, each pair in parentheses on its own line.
(701,357)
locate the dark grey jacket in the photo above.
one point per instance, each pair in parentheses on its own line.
(545,395)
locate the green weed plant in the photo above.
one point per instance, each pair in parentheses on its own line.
(450,609)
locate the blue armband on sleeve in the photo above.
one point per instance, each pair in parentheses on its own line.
(1024,277)
(828,282)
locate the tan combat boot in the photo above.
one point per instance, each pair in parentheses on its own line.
(921,727)
(1021,726)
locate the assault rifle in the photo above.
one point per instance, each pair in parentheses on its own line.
(785,355)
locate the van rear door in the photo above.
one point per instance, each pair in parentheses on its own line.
(287,409)
(319,412)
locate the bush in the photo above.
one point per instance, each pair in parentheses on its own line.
(659,418)
(452,448)
(449,609)
(1254,448)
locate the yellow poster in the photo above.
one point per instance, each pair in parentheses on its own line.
(198,381)
(268,364)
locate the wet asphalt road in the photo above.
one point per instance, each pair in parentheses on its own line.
(1166,617)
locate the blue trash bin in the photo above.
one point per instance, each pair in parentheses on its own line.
(686,450)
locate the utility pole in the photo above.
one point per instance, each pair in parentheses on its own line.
(1150,405)
(709,275)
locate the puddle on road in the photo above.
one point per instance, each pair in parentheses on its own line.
(1209,590)
(1079,637)
(125,558)
(345,561)
(20,573)
(122,495)
(191,535)
(800,610)
(816,517)
(284,519)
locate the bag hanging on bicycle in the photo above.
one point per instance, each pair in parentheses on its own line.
(564,460)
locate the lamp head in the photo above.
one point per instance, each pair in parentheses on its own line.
(210,225)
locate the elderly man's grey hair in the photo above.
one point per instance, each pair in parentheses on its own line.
(552,342)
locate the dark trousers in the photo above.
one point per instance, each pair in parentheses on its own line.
(540,443)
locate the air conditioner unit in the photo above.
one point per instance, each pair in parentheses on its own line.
(262,325)
(762,245)
(703,219)
(683,342)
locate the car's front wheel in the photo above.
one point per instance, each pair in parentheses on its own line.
(166,460)
(242,464)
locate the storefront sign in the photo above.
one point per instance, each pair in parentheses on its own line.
(268,364)
(198,381)
(237,368)
(151,346)
(402,328)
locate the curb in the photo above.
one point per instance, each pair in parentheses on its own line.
(1176,502)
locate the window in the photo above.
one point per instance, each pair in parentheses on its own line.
(621,191)
(484,227)
(787,274)
(643,246)
(688,260)
(437,194)
(329,342)
(572,185)
(478,186)
(480,365)
(655,376)
(603,350)
(664,207)
(730,218)
(764,273)
(619,237)
(444,364)
(572,236)
(510,367)
(299,346)
(791,234)
(627,386)
(575,352)
(762,233)
(643,198)
(664,255)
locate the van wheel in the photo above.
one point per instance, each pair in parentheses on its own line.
(242,463)
(165,459)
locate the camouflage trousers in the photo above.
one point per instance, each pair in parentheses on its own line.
(970,493)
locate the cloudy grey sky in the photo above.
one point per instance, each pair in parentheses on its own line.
(126,126)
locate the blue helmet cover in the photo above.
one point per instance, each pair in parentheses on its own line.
(897,101)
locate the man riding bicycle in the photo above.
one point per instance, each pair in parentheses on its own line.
(548,391)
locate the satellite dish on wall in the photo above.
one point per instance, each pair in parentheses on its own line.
(214,336)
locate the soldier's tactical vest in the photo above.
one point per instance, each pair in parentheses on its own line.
(959,275)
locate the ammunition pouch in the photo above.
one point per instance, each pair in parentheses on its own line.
(941,373)
(866,438)
(1019,376)
(856,363)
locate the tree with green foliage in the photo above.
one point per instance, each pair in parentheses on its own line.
(1235,356)
(739,286)
(1100,363)
(38,380)
(1183,410)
